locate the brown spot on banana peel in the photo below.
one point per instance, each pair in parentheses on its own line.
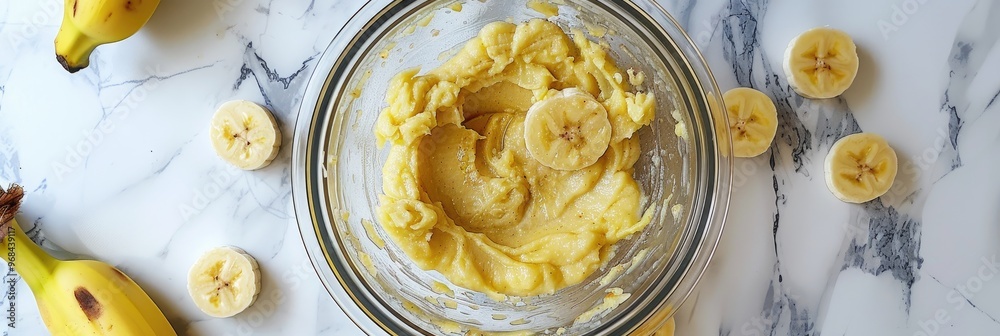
(106,18)
(74,7)
(129,6)
(88,303)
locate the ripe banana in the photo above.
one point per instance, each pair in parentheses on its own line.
(224,281)
(821,63)
(568,130)
(753,121)
(79,297)
(87,24)
(245,134)
(860,167)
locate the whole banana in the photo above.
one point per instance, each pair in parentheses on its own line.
(79,297)
(87,24)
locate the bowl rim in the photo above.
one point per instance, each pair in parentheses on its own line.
(311,213)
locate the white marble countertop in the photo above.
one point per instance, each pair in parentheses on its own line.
(148,194)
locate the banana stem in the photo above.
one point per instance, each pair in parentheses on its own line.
(73,47)
(30,261)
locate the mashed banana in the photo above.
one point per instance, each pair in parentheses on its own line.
(463,196)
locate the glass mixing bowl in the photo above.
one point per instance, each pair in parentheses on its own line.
(337,175)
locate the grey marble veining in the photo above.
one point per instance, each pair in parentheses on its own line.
(879,238)
(148,196)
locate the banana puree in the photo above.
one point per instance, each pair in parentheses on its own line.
(462,194)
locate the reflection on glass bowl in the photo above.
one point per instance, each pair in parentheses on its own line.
(338,166)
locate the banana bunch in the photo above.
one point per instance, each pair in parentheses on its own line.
(80,297)
(87,24)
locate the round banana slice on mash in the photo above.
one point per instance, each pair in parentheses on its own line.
(245,134)
(860,167)
(821,63)
(568,130)
(753,121)
(224,281)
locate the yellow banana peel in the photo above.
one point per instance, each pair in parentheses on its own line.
(79,297)
(87,24)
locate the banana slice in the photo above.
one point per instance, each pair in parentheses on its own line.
(753,121)
(224,281)
(245,134)
(860,167)
(568,130)
(821,63)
